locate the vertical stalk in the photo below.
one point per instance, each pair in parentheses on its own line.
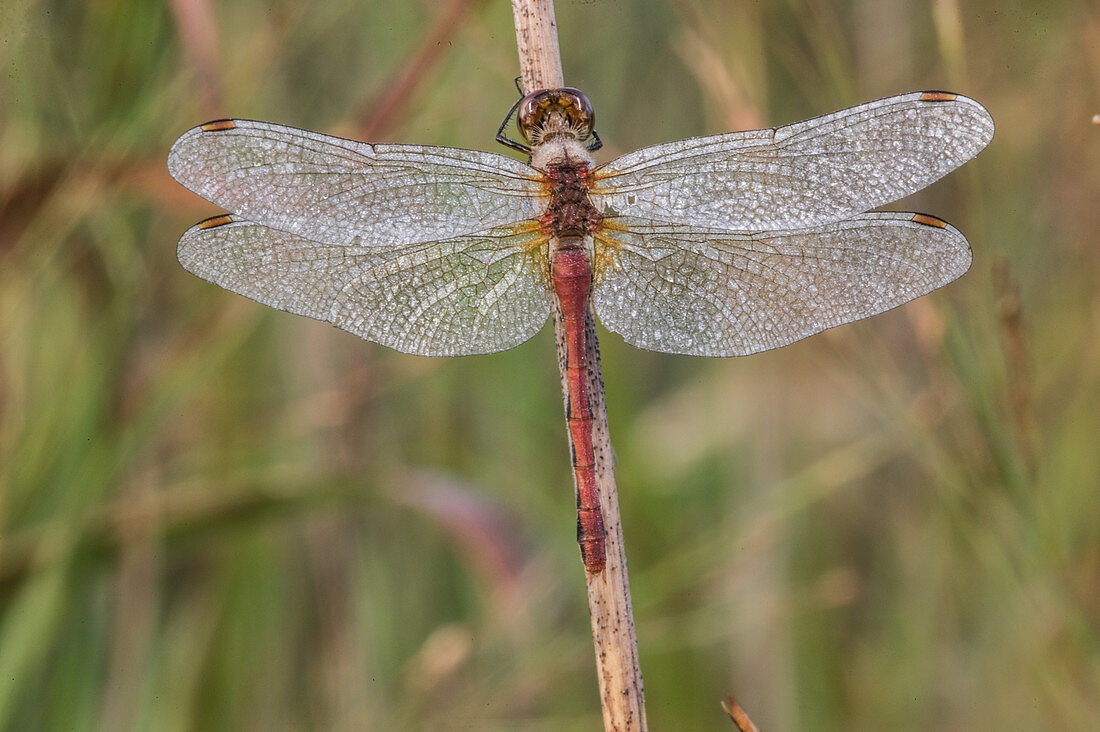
(616,644)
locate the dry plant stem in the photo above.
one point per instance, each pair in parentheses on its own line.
(613,635)
(537,39)
(739,716)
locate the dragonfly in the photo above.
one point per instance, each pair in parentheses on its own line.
(723,245)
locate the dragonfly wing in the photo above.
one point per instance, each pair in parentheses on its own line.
(328,189)
(813,172)
(705,292)
(475,294)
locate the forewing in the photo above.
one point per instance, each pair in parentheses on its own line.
(475,294)
(337,191)
(805,174)
(704,292)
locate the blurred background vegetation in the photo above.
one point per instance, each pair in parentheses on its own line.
(218,516)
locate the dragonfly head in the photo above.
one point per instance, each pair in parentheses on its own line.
(549,112)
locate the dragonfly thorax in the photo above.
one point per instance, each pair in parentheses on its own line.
(570,212)
(560,149)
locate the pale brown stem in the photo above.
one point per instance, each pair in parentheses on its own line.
(738,715)
(537,39)
(613,635)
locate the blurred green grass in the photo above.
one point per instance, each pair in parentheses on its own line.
(215,516)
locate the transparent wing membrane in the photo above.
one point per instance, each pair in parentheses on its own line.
(706,292)
(478,294)
(809,173)
(474,294)
(715,246)
(342,192)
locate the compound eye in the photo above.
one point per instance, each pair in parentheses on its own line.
(531,112)
(579,110)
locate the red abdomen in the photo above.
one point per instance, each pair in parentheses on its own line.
(572,277)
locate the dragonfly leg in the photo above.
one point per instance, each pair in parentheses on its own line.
(502,138)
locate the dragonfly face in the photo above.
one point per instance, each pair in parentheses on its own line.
(555,111)
(714,246)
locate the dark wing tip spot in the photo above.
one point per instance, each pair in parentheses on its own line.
(938,96)
(215,221)
(218,125)
(929,221)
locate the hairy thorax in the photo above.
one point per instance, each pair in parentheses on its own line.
(568,167)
